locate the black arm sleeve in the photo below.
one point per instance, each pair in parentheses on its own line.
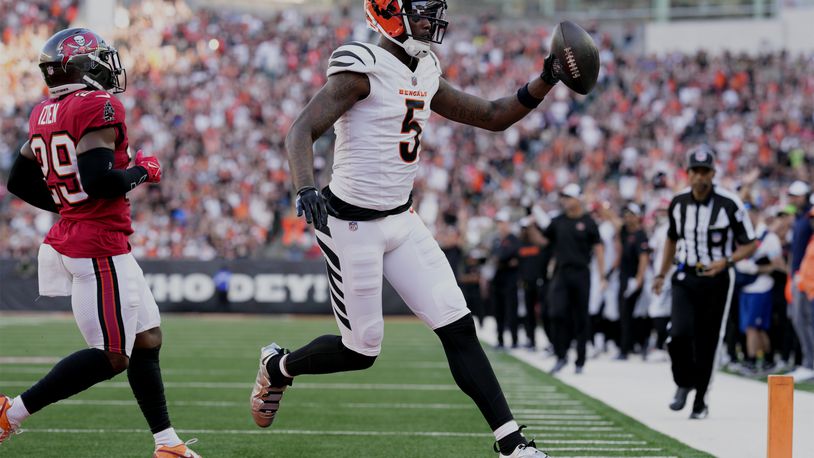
(26,182)
(100,180)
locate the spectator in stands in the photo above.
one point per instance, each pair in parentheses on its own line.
(531,278)
(660,304)
(756,293)
(226,191)
(470,283)
(799,309)
(505,282)
(635,256)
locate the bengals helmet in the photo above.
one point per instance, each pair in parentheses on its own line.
(391,19)
(78,58)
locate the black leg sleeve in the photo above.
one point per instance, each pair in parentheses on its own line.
(74,374)
(472,372)
(144,375)
(324,355)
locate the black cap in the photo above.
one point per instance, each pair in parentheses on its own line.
(702,156)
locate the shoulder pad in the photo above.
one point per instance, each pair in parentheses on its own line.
(97,110)
(352,57)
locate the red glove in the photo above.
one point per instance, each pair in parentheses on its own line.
(151,164)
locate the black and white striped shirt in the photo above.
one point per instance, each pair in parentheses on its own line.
(708,230)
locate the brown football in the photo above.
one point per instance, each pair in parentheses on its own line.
(577,54)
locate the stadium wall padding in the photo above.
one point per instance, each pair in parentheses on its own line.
(256,286)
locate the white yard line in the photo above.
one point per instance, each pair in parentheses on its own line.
(306,432)
(27,360)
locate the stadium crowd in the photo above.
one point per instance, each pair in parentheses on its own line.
(212,94)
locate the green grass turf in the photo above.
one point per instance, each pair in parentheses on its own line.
(407,405)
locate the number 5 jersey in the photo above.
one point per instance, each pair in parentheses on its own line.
(379,139)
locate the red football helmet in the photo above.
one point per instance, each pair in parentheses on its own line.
(78,58)
(392,18)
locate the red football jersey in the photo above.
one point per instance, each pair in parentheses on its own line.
(89,227)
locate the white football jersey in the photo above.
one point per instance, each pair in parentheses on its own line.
(378,140)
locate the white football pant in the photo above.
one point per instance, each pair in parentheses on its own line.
(110,299)
(401,248)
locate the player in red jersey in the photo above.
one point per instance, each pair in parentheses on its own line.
(75,163)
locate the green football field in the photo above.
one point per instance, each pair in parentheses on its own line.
(407,405)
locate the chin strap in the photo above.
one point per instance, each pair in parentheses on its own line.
(416,48)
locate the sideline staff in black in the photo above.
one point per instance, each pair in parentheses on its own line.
(710,222)
(574,237)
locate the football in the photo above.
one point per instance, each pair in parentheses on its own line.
(577,54)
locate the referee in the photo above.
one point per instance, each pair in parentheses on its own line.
(710,222)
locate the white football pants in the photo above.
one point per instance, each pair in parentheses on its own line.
(110,299)
(402,249)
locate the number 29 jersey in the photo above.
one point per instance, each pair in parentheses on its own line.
(88,227)
(378,140)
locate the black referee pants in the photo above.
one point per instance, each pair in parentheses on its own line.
(698,309)
(568,308)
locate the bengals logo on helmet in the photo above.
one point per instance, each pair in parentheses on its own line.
(392,19)
(74,45)
(385,15)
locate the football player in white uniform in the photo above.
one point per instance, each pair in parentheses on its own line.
(378,98)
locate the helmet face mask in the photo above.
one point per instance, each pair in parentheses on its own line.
(75,59)
(392,18)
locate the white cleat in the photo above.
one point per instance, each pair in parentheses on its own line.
(527,451)
(265,399)
(180,450)
(7,428)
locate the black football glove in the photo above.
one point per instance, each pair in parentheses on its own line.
(552,70)
(311,202)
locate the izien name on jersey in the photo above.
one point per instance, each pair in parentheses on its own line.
(48,115)
(412,93)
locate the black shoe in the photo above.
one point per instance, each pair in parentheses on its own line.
(680,399)
(578,370)
(699,412)
(558,367)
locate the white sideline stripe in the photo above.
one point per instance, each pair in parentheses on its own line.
(385,405)
(124,402)
(252,432)
(593,442)
(27,360)
(626,456)
(560,411)
(41,365)
(553,402)
(531,419)
(336,433)
(573,428)
(528,388)
(542,397)
(565,416)
(567,422)
(601,449)
(305,386)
